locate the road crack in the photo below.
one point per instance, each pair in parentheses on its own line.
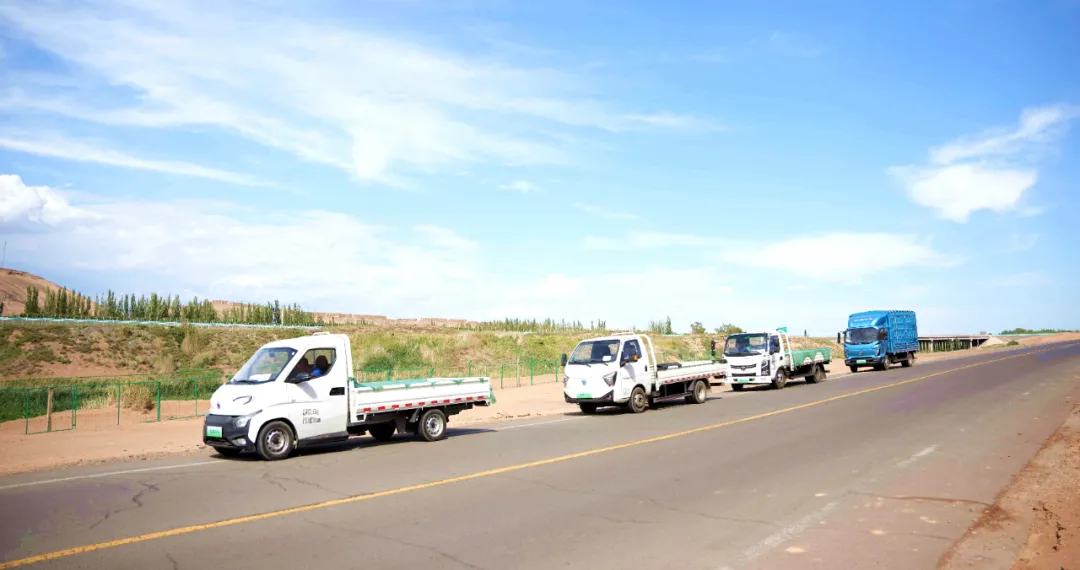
(918,499)
(136,500)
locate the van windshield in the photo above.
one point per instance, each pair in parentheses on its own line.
(865,335)
(745,344)
(595,351)
(264,366)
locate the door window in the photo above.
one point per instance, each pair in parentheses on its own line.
(774,343)
(315,363)
(632,349)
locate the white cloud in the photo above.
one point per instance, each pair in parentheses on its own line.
(1021,242)
(643,240)
(958,190)
(85,152)
(828,257)
(604,212)
(522,186)
(364,100)
(979,173)
(35,204)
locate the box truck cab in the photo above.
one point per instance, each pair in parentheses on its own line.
(880,338)
(767,358)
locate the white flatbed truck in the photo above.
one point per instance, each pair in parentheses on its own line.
(767,358)
(302,391)
(622,370)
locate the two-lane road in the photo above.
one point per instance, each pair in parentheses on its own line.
(876,469)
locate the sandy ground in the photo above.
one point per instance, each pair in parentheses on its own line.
(1035,523)
(99,439)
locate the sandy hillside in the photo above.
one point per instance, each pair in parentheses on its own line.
(13,284)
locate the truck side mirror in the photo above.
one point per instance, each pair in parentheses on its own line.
(838,339)
(712,347)
(563,360)
(299,377)
(883,334)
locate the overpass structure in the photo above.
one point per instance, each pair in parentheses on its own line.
(948,342)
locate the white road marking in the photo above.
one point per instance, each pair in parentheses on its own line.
(109,474)
(781,536)
(911,460)
(537,424)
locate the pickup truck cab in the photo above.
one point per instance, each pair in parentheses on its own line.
(622,370)
(767,358)
(302,391)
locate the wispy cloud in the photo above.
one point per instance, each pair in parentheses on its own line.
(87,152)
(364,100)
(522,186)
(813,256)
(607,213)
(981,172)
(1021,242)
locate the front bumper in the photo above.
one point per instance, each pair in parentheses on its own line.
(736,379)
(232,437)
(864,360)
(608,398)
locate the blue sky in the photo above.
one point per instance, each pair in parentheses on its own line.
(763,163)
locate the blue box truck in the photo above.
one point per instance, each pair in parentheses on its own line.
(880,338)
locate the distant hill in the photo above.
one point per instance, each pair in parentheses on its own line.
(13,284)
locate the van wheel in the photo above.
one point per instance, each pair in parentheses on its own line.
(276,441)
(700,393)
(638,401)
(737,387)
(587,408)
(433,425)
(780,381)
(382,432)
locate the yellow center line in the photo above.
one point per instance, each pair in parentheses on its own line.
(472,476)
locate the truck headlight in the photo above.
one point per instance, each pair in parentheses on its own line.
(565,380)
(609,379)
(243,421)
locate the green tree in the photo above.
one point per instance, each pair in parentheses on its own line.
(697,328)
(728,329)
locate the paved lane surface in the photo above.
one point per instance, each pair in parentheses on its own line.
(872,470)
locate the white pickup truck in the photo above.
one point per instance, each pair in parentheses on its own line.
(302,391)
(767,358)
(622,370)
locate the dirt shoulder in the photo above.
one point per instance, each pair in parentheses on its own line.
(99,439)
(1035,523)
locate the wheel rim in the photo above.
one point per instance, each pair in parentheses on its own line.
(434,425)
(639,399)
(276,441)
(700,391)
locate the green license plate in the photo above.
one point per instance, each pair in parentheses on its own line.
(580,396)
(743,380)
(213,431)
(860,362)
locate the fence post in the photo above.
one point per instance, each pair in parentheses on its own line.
(74,406)
(196,395)
(118,396)
(502,374)
(49,410)
(470,370)
(389,374)
(532,380)
(27,414)
(518,372)
(159,400)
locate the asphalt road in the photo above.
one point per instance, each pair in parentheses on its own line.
(872,470)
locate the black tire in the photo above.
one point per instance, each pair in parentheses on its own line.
(908,362)
(780,380)
(382,432)
(853,368)
(883,366)
(737,387)
(816,376)
(587,408)
(699,393)
(639,402)
(228,451)
(276,441)
(433,425)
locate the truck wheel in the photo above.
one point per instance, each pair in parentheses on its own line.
(638,401)
(433,425)
(854,369)
(700,393)
(884,365)
(382,432)
(908,362)
(587,408)
(816,376)
(737,387)
(780,381)
(276,441)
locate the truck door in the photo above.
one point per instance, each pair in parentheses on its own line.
(633,371)
(776,353)
(317,393)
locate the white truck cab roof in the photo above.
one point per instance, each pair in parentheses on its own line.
(305,343)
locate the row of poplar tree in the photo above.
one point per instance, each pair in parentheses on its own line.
(66,304)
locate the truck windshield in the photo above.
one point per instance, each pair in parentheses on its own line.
(595,351)
(861,336)
(745,344)
(264,366)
